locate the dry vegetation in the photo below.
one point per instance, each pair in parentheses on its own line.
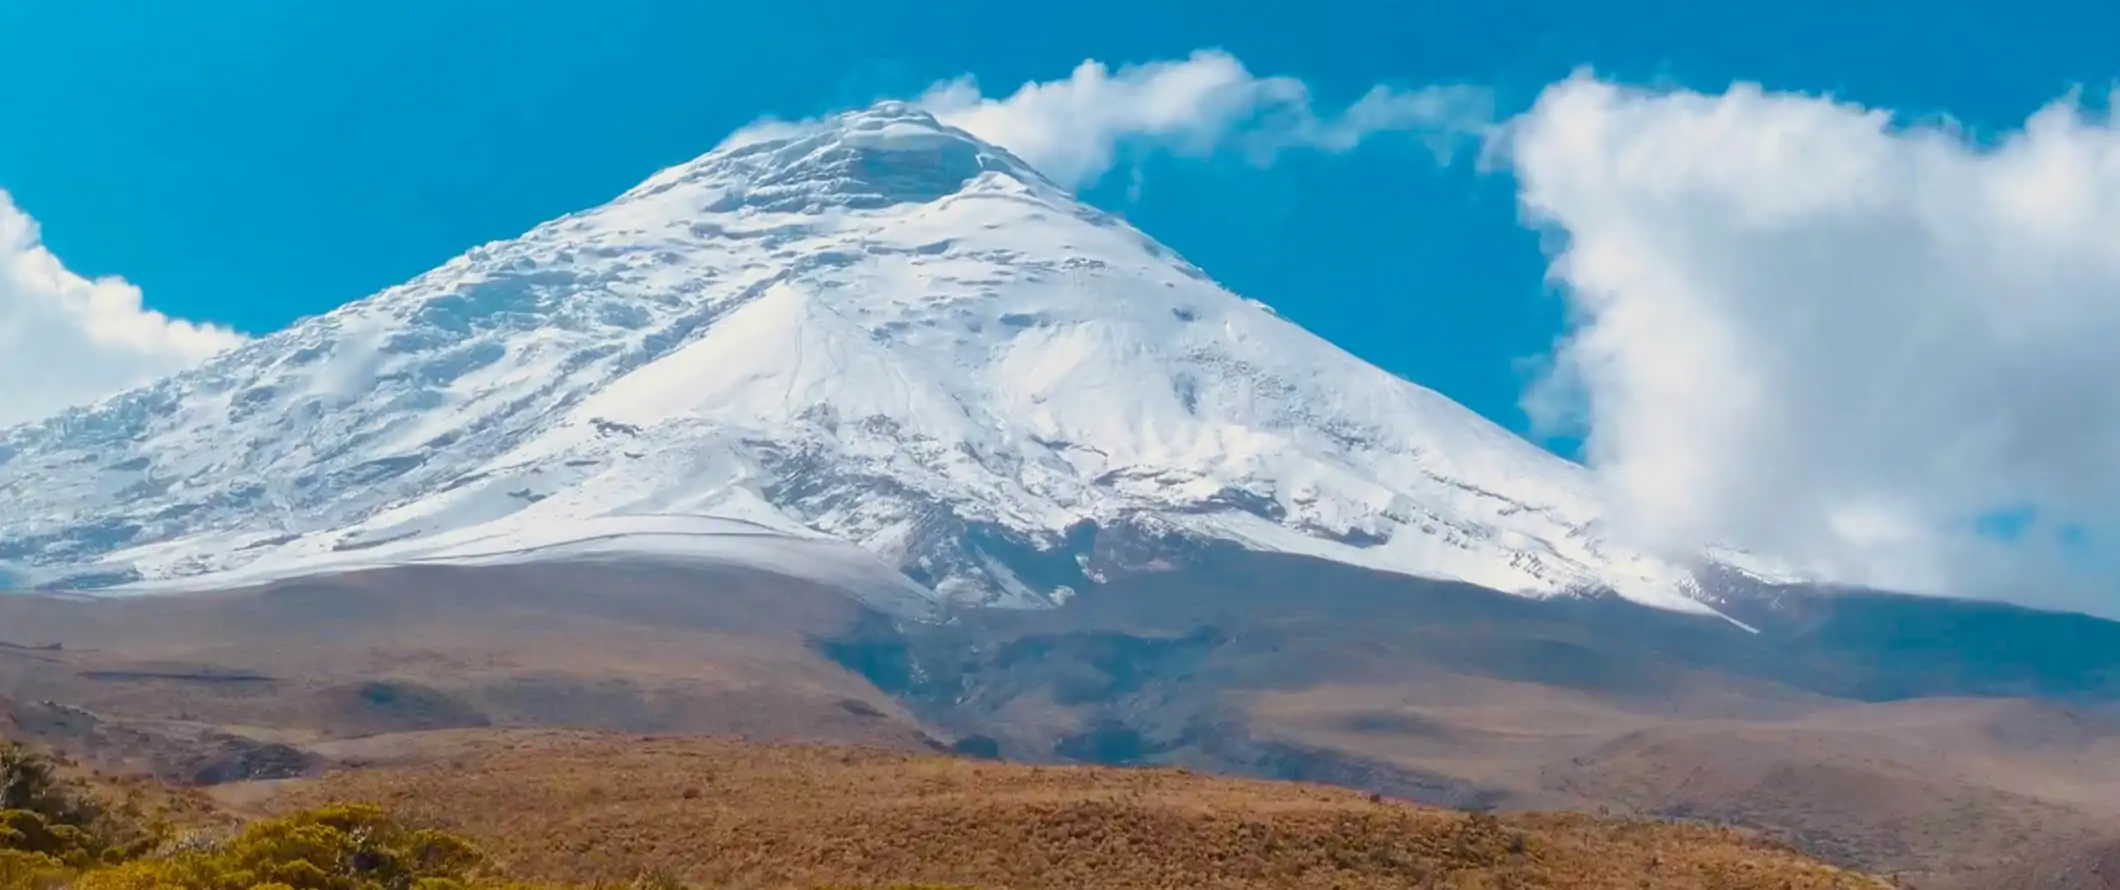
(580,808)
(63,830)
(1941,793)
(1465,699)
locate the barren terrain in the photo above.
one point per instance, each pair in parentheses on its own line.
(1982,760)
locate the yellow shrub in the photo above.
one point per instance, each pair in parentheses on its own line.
(336,848)
(30,871)
(43,813)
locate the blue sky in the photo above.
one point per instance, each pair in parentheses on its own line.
(251,161)
(1833,284)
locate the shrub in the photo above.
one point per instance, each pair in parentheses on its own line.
(55,832)
(43,814)
(335,848)
(21,870)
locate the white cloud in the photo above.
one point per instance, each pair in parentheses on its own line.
(1806,328)
(1073,130)
(67,340)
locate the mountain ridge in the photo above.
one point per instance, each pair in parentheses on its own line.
(878,349)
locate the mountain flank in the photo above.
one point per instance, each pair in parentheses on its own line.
(1938,764)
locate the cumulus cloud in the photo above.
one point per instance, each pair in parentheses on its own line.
(1074,129)
(1883,351)
(67,340)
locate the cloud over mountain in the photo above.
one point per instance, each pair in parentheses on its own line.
(1075,129)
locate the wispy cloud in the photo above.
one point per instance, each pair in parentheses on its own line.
(1075,128)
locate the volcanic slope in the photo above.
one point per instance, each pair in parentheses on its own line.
(877,351)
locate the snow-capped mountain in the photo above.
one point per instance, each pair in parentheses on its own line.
(880,331)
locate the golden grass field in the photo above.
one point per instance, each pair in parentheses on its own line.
(577,807)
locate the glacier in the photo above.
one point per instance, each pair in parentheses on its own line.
(876,349)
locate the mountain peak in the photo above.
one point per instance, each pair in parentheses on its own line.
(872,346)
(888,154)
(894,113)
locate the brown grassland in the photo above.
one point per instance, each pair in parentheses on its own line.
(579,808)
(430,690)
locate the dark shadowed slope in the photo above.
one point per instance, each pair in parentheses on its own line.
(1929,753)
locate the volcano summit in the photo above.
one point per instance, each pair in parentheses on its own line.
(875,349)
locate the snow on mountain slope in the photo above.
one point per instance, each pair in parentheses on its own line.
(880,331)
